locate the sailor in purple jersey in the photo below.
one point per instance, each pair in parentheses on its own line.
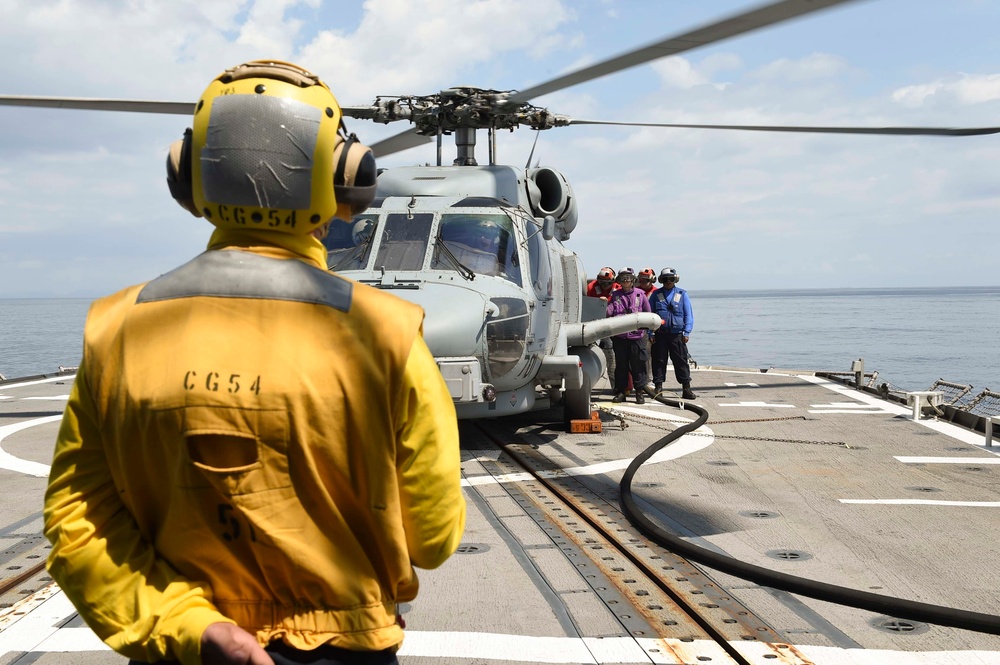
(629,347)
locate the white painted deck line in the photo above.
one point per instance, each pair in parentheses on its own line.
(822,655)
(859,396)
(953,431)
(11,463)
(51,397)
(949,460)
(851,411)
(749,385)
(70,377)
(38,636)
(924,502)
(841,405)
(759,404)
(685,445)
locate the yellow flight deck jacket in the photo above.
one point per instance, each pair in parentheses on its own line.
(255,440)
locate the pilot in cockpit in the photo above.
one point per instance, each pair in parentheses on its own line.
(475,243)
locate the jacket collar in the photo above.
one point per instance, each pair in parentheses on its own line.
(305,248)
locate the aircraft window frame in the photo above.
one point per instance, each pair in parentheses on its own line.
(346,238)
(397,229)
(505,261)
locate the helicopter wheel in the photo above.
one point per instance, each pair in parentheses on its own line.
(576,402)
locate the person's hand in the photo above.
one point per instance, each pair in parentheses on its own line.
(228,644)
(686,338)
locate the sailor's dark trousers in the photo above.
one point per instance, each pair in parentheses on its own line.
(670,344)
(630,357)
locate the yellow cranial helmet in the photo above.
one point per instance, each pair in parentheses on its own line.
(268,151)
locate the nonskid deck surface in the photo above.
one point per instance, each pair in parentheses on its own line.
(792,473)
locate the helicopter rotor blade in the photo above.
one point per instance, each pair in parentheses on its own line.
(394,144)
(399,142)
(896,131)
(754,19)
(85,104)
(131,105)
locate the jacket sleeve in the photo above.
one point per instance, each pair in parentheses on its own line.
(644,305)
(137,603)
(615,306)
(428,463)
(688,316)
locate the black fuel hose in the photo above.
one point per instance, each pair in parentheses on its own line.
(831,593)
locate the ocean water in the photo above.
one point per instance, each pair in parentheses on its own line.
(912,337)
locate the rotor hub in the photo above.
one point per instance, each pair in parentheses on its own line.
(463,107)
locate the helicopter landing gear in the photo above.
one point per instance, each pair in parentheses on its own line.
(576,402)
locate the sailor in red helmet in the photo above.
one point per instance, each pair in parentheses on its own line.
(603,285)
(647,281)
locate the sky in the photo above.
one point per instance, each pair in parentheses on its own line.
(86,210)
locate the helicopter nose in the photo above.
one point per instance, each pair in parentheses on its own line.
(454,322)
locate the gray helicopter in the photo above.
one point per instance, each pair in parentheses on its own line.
(481,247)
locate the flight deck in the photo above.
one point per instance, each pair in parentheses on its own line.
(792,472)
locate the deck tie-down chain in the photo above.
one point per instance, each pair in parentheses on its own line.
(657,423)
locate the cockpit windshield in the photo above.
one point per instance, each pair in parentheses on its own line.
(404,241)
(348,244)
(485,244)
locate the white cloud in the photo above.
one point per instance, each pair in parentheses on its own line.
(966,89)
(678,72)
(409,47)
(814,67)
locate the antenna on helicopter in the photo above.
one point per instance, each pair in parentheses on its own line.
(531,154)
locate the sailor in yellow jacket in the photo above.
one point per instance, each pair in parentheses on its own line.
(255,447)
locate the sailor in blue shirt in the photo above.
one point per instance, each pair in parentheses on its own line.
(672,305)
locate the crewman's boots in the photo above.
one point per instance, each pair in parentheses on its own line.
(618,398)
(639,399)
(688,393)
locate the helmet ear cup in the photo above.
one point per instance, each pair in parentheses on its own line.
(179,173)
(354,177)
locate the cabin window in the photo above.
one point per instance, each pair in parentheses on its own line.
(538,261)
(404,241)
(349,244)
(485,244)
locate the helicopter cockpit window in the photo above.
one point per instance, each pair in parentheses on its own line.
(404,241)
(485,244)
(348,244)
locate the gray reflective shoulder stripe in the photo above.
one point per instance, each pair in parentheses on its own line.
(235,274)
